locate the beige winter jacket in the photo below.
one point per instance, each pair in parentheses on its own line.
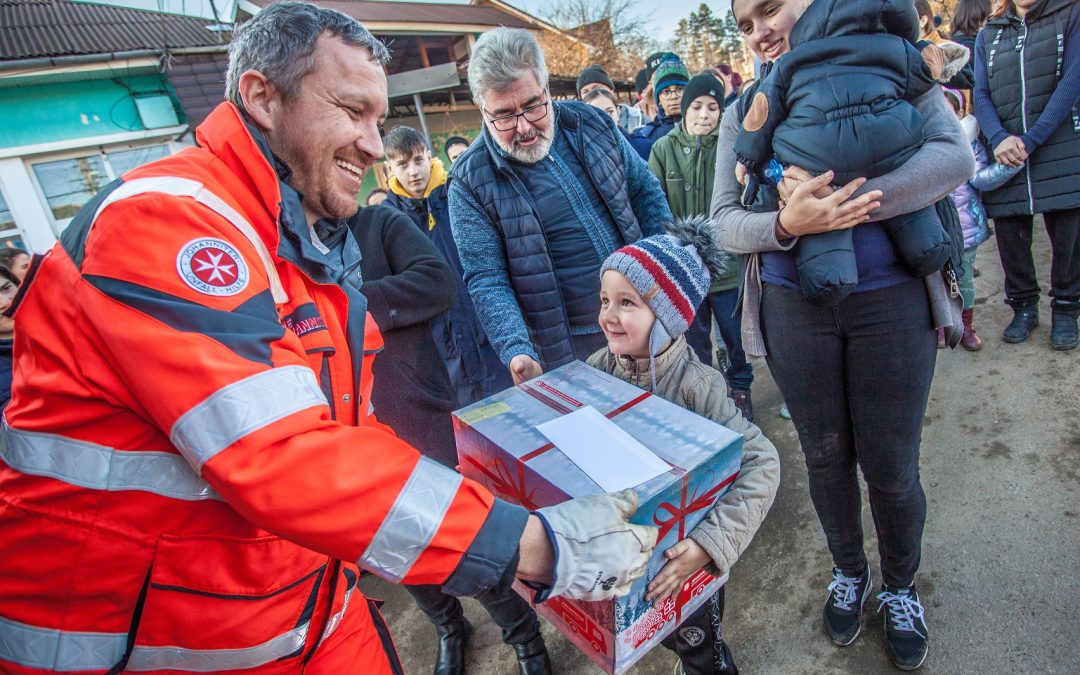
(682,379)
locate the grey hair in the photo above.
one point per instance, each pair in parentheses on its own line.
(500,57)
(279,42)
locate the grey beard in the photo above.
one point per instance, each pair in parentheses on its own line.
(529,154)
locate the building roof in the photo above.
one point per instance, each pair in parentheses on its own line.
(367,11)
(44,28)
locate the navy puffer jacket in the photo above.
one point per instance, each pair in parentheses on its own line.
(840,99)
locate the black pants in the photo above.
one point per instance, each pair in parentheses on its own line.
(699,640)
(508,609)
(1014,246)
(856,378)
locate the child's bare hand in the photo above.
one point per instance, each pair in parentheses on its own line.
(740,173)
(684,558)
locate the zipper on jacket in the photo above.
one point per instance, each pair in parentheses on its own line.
(1023,110)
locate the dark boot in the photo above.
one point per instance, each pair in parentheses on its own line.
(970,340)
(1063,330)
(533,657)
(741,398)
(453,638)
(1025,319)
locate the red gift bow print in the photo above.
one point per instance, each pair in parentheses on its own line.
(696,503)
(503,481)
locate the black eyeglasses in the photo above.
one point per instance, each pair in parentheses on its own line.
(533,113)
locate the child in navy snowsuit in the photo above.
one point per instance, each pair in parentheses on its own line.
(841,100)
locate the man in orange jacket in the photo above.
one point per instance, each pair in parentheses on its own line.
(190,477)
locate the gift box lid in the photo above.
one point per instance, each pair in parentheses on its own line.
(678,436)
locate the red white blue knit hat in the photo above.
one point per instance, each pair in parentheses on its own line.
(671,279)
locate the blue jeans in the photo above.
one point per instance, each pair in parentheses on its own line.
(723,305)
(856,378)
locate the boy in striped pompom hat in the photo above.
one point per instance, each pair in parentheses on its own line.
(649,292)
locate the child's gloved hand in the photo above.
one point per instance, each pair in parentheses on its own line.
(684,558)
(740,173)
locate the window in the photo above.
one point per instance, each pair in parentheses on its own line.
(126,160)
(69,183)
(9,233)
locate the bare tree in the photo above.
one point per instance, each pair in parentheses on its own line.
(617,31)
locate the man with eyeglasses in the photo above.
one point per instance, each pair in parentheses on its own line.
(669,77)
(547,192)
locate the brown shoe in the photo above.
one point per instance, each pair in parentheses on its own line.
(970,340)
(741,399)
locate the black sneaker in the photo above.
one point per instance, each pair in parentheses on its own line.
(905,630)
(843,611)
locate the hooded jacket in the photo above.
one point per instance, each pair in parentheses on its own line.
(191,473)
(474,368)
(850,77)
(684,380)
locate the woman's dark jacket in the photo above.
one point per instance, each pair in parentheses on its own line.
(407,284)
(1019,67)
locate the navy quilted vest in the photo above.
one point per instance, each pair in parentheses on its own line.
(1023,64)
(492,181)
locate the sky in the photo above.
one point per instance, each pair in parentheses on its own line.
(665,21)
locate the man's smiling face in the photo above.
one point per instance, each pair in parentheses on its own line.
(328,133)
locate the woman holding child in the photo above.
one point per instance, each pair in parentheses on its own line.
(856,374)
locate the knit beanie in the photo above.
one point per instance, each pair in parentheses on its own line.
(641,80)
(705,84)
(592,75)
(670,72)
(655,59)
(454,140)
(671,279)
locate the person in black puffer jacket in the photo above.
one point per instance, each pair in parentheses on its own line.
(841,100)
(1027,101)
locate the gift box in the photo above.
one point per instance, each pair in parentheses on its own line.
(500,446)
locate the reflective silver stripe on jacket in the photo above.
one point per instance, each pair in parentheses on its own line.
(60,651)
(145,659)
(65,652)
(412,521)
(237,409)
(98,467)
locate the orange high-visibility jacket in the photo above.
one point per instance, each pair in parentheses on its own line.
(189,476)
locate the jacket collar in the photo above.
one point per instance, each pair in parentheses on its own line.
(244,150)
(438,178)
(663,364)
